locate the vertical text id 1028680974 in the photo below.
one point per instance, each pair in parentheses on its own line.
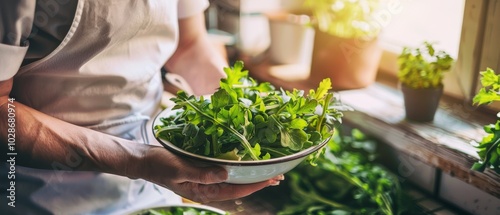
(11,152)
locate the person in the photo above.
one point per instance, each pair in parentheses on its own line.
(79,84)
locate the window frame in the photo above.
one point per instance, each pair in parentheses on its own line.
(478,50)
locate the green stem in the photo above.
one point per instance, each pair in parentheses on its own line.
(269,107)
(325,108)
(280,110)
(356,182)
(274,151)
(385,205)
(488,152)
(169,128)
(278,123)
(215,147)
(314,196)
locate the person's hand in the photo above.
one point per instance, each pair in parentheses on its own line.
(196,59)
(202,73)
(199,184)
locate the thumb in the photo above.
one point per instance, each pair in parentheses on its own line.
(205,174)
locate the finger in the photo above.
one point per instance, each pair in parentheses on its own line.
(204,175)
(279,177)
(219,192)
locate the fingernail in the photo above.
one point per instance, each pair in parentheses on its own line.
(221,174)
(274,183)
(279,178)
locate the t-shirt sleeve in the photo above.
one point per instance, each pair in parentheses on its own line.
(189,8)
(16,21)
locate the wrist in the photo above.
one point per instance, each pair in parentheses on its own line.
(134,160)
(116,156)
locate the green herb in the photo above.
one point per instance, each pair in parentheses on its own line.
(489,147)
(346,181)
(246,120)
(423,67)
(490,88)
(346,18)
(181,211)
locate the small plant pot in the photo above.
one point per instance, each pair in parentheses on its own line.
(291,39)
(421,104)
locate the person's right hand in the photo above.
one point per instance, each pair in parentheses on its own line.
(199,184)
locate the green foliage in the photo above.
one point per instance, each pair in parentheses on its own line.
(423,67)
(346,18)
(346,181)
(489,147)
(246,120)
(490,88)
(181,211)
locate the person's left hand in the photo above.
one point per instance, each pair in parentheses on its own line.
(201,73)
(197,59)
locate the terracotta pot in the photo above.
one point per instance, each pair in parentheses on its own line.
(421,104)
(349,63)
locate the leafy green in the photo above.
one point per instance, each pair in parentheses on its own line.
(181,211)
(246,120)
(490,88)
(489,147)
(346,181)
(423,67)
(346,18)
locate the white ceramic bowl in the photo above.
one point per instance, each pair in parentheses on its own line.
(186,205)
(243,172)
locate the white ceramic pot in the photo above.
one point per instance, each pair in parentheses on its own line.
(292,39)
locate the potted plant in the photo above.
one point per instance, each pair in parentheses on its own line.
(489,147)
(345,43)
(421,73)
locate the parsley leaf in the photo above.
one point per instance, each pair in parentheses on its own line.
(247,120)
(489,147)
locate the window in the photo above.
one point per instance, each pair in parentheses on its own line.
(413,22)
(465,28)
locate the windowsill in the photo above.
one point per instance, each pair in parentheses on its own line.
(444,144)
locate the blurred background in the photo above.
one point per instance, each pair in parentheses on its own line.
(289,34)
(357,43)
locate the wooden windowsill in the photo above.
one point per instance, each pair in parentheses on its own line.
(444,143)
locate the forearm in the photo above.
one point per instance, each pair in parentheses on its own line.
(204,50)
(193,36)
(42,141)
(196,58)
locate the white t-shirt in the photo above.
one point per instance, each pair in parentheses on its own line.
(96,64)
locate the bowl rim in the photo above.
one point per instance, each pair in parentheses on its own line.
(178,151)
(183,205)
